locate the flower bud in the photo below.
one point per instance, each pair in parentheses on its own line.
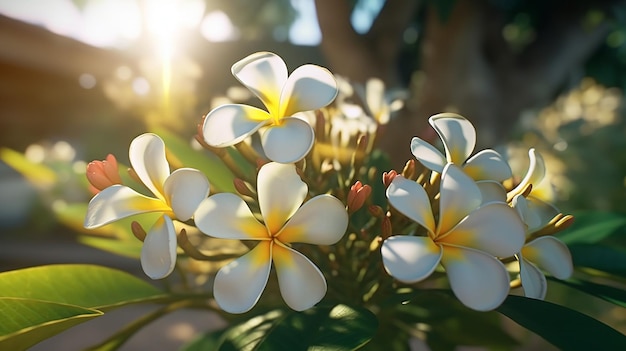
(376,211)
(409,169)
(386,229)
(103,174)
(357,195)
(388,177)
(138,230)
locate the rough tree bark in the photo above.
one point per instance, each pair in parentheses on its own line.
(465,64)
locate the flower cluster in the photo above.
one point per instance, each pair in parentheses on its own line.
(308,200)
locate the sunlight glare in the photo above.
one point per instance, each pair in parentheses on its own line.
(217,27)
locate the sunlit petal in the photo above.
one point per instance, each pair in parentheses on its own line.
(117,202)
(458,135)
(491,191)
(147,157)
(550,254)
(410,258)
(239,285)
(309,87)
(459,196)
(184,189)
(478,280)
(322,221)
(495,228)
(301,283)
(230,124)
(227,216)
(288,142)
(530,218)
(427,155)
(265,74)
(281,192)
(158,254)
(535,174)
(533,281)
(543,211)
(411,200)
(488,164)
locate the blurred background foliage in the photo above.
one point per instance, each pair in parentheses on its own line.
(548,74)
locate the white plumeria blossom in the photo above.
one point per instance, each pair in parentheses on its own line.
(459,139)
(285,139)
(177,195)
(543,253)
(466,241)
(322,221)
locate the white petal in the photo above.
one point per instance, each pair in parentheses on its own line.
(228,125)
(495,228)
(427,155)
(529,217)
(301,283)
(411,200)
(410,259)
(265,74)
(281,192)
(478,280)
(533,281)
(488,164)
(117,202)
(543,211)
(309,87)
(535,174)
(459,196)
(491,191)
(550,254)
(288,142)
(227,216)
(239,285)
(158,254)
(322,221)
(457,133)
(147,157)
(184,189)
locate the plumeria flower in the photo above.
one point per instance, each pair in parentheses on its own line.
(284,138)
(177,196)
(459,139)
(466,241)
(543,253)
(322,220)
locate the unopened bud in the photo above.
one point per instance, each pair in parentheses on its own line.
(409,169)
(138,230)
(376,211)
(103,174)
(242,187)
(386,229)
(357,195)
(388,177)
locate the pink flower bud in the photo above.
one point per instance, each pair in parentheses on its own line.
(357,195)
(103,174)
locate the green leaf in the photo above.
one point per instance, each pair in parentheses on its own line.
(36,173)
(220,177)
(450,322)
(337,328)
(604,258)
(26,322)
(605,292)
(564,328)
(592,227)
(87,286)
(122,248)
(206,341)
